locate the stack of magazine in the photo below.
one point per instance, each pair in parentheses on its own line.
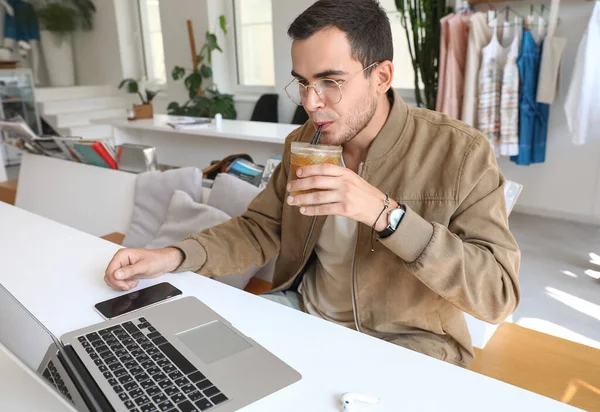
(95,152)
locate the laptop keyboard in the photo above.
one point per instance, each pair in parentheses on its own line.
(147,372)
(52,375)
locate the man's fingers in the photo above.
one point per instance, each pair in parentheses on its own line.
(121,258)
(116,284)
(132,283)
(322,210)
(316,198)
(322,169)
(128,272)
(315,182)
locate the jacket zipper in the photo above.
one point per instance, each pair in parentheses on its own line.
(310,232)
(352,274)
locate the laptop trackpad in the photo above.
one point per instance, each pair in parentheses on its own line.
(213,341)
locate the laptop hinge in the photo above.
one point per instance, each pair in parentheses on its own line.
(90,392)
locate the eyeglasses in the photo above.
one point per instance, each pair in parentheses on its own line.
(328,90)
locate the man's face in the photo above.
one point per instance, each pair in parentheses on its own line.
(327,55)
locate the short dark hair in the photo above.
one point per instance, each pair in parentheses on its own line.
(365,23)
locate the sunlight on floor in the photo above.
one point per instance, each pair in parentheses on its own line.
(593,274)
(595,259)
(569,273)
(581,305)
(556,330)
(576,385)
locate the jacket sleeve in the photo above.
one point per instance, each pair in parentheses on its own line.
(473,263)
(250,239)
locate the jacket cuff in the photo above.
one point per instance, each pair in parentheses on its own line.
(411,237)
(194,255)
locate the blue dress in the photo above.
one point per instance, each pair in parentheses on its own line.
(533,116)
(23,25)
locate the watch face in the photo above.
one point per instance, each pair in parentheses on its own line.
(395,216)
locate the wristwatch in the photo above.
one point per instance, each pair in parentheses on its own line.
(394,217)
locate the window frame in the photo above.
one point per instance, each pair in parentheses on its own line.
(233,10)
(145,40)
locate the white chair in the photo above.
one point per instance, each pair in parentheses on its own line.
(481,332)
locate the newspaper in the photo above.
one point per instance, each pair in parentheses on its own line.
(18,134)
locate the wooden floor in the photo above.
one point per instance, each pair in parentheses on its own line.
(556,368)
(8,191)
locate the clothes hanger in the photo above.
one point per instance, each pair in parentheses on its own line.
(464,8)
(491,13)
(8,8)
(507,10)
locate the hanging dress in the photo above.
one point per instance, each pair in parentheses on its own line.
(444,37)
(533,116)
(509,101)
(456,56)
(23,25)
(480,35)
(490,89)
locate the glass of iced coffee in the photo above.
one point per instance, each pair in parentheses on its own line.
(305,154)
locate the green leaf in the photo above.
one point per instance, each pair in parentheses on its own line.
(211,41)
(173,108)
(206,71)
(132,85)
(223,23)
(192,83)
(178,72)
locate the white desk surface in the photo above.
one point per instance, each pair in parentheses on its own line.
(230,129)
(57,273)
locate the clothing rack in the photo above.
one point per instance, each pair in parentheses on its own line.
(525,2)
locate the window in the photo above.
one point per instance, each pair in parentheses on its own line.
(254,42)
(404,74)
(154,55)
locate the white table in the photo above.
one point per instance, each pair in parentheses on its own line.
(199,146)
(57,273)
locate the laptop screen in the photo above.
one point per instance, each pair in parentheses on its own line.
(21,332)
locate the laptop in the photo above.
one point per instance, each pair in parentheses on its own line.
(176,356)
(23,390)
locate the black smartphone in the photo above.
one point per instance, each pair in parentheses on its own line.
(136,300)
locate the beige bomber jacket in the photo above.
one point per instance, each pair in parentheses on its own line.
(453,252)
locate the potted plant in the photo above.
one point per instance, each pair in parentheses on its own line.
(203,101)
(58,19)
(144,110)
(421,23)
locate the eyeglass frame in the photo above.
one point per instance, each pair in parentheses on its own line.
(339,84)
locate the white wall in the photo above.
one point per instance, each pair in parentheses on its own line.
(97,53)
(173,17)
(567,184)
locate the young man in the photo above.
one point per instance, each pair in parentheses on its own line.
(443,246)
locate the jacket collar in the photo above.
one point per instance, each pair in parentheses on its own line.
(392,131)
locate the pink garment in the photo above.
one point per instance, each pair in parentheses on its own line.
(444,32)
(454,83)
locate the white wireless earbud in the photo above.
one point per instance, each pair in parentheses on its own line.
(350,399)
